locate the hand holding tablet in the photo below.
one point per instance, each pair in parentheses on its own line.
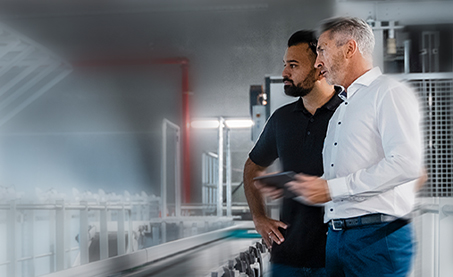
(278,181)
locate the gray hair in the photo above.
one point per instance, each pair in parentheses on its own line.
(351,28)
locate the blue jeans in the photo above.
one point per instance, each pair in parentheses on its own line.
(384,249)
(281,270)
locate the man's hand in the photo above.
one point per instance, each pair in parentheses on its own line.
(268,229)
(265,226)
(271,192)
(313,189)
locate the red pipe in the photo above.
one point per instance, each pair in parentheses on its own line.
(186,133)
(184,62)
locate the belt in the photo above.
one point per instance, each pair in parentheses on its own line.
(347,223)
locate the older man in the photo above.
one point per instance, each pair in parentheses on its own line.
(372,158)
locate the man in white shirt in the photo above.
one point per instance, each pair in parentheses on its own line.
(372,158)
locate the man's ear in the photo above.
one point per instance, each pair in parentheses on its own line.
(351,48)
(318,74)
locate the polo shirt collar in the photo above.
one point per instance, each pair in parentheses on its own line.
(332,104)
(299,106)
(335,101)
(364,80)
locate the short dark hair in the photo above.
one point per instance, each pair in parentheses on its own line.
(304,36)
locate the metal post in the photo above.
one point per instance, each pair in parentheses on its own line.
(31,246)
(215,180)
(178,173)
(407,56)
(83,234)
(60,238)
(228,172)
(121,233)
(130,231)
(163,184)
(166,123)
(103,233)
(186,127)
(163,187)
(11,242)
(204,179)
(220,169)
(52,236)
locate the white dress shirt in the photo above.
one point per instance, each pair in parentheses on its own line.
(373,149)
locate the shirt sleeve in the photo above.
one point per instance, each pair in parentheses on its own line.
(264,152)
(398,124)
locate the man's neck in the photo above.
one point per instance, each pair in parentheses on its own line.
(355,70)
(320,95)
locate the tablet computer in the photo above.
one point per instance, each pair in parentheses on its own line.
(278,180)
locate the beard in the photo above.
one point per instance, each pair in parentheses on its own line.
(296,91)
(301,89)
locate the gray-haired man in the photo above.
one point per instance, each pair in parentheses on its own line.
(372,158)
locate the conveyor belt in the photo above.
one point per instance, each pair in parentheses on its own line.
(196,262)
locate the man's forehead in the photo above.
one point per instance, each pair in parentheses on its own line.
(299,49)
(295,52)
(324,38)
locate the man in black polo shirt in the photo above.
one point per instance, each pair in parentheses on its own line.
(294,134)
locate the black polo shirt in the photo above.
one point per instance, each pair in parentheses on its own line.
(296,137)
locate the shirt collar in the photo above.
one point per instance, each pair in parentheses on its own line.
(335,101)
(332,104)
(365,80)
(300,106)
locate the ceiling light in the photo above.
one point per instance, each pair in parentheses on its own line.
(205,124)
(238,123)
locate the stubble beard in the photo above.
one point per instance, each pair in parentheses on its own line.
(301,89)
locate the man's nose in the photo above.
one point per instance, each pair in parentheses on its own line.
(318,62)
(285,72)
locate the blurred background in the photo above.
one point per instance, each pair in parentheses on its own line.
(124,125)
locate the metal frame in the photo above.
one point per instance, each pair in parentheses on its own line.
(163,189)
(207,168)
(220,168)
(165,125)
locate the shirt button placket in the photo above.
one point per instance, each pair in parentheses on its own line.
(336,136)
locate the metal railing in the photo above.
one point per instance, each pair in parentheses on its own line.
(213,173)
(53,233)
(209,181)
(59,230)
